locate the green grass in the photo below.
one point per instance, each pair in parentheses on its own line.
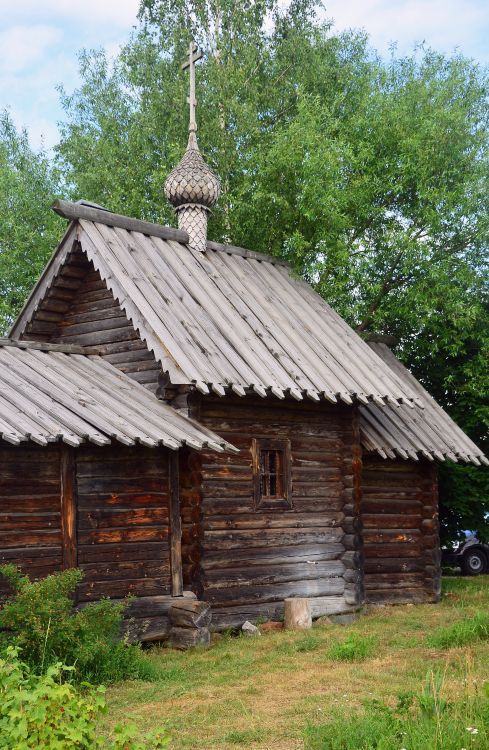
(461,633)
(286,689)
(355,647)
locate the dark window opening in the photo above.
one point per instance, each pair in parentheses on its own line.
(271,473)
(271,462)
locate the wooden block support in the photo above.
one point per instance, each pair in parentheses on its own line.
(183,638)
(189,620)
(190,614)
(297,614)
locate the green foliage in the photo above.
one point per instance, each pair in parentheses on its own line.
(46,711)
(355,647)
(469,630)
(39,620)
(425,721)
(29,231)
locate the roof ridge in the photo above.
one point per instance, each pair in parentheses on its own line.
(75,211)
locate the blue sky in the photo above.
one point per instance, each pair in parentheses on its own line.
(40,39)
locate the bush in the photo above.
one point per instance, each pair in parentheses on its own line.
(461,633)
(40,621)
(355,647)
(419,722)
(44,711)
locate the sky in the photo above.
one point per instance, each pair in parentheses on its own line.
(40,41)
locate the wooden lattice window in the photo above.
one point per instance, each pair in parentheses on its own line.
(271,464)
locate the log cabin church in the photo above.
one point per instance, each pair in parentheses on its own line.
(182,418)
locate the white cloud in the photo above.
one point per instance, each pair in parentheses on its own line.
(442,24)
(118,13)
(23,46)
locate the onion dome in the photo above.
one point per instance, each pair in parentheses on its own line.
(192,181)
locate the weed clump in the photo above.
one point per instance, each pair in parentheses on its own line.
(355,647)
(39,620)
(463,633)
(423,721)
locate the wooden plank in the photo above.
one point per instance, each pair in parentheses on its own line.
(253,254)
(68,507)
(75,211)
(175,525)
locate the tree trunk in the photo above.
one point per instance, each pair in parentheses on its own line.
(297,614)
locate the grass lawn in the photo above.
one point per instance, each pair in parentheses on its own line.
(262,692)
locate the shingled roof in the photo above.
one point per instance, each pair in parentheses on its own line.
(52,392)
(224,319)
(411,433)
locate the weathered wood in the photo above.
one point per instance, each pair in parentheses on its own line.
(175,524)
(297,614)
(184,638)
(74,211)
(49,347)
(68,507)
(124,522)
(401,550)
(190,614)
(234,250)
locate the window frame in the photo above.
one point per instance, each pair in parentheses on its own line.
(284,502)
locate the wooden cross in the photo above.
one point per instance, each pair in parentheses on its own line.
(194,54)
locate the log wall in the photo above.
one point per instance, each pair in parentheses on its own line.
(30,518)
(246,560)
(79,309)
(400,530)
(103,510)
(123,525)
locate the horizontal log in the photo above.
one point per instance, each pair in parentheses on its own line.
(391,521)
(397,585)
(276,555)
(75,211)
(271,574)
(113,517)
(21,521)
(231,540)
(111,570)
(184,638)
(392,565)
(401,596)
(373,551)
(131,551)
(146,629)
(110,484)
(189,613)
(31,555)
(152,606)
(46,346)
(94,590)
(400,536)
(111,536)
(272,521)
(29,538)
(116,323)
(234,595)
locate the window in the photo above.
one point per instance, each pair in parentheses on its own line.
(271,464)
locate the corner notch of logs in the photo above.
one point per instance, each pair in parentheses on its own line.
(189,624)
